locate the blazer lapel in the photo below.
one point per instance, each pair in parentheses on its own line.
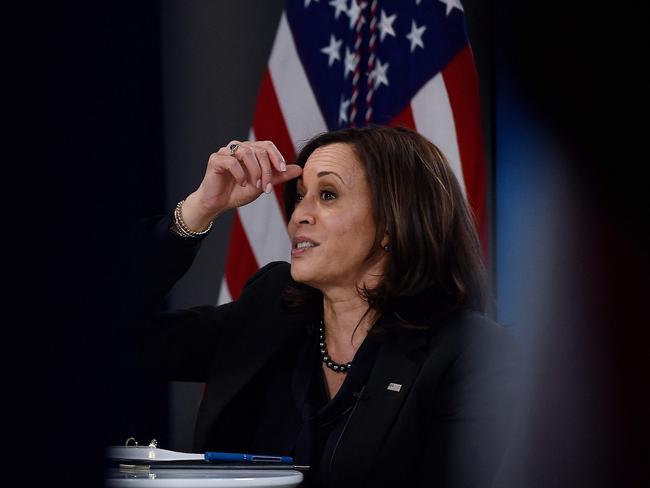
(389,384)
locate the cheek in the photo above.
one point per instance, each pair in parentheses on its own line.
(355,234)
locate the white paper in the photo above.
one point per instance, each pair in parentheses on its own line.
(144,453)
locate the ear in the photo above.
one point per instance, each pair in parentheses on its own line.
(385,240)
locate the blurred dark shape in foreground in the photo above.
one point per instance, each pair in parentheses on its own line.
(578,70)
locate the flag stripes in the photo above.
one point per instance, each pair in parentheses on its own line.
(445,109)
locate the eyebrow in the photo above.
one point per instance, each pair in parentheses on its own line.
(326,173)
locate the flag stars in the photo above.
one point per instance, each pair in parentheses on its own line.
(307,2)
(354,11)
(415,36)
(378,75)
(452,4)
(351,61)
(343,110)
(386,25)
(333,50)
(340,6)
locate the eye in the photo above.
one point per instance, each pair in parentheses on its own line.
(328,195)
(299,197)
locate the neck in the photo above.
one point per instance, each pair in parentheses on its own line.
(342,311)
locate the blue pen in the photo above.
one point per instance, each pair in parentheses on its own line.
(247,458)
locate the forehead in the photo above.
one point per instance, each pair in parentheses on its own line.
(338,157)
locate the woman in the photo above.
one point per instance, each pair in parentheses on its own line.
(368,358)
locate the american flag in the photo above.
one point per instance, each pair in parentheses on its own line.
(341,63)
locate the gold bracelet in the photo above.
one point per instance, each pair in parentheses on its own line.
(181,227)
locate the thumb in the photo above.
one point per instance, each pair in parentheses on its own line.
(293,171)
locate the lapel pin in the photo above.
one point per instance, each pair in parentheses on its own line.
(394,387)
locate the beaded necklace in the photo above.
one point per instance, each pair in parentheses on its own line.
(336,367)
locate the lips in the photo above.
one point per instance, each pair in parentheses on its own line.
(297,240)
(301,244)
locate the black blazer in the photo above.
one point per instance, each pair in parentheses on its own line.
(447,426)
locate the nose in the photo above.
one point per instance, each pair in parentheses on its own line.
(303,213)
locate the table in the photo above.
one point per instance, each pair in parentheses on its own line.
(202,478)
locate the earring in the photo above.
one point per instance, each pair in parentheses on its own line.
(387,248)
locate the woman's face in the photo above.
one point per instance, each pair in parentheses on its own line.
(332,226)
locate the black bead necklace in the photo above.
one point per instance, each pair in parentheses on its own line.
(338,368)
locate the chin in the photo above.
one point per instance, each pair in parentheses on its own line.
(296,272)
(301,273)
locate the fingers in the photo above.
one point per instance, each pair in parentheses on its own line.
(258,161)
(221,162)
(265,163)
(292,171)
(276,159)
(246,155)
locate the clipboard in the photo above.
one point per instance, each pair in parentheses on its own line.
(133,456)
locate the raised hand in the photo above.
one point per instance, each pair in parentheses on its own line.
(236,175)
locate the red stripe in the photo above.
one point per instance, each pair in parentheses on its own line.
(461,81)
(404,118)
(269,124)
(240,263)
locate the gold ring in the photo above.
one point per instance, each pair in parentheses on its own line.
(233,147)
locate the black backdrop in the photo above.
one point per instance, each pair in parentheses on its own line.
(103,172)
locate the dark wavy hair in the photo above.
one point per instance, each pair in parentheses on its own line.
(434,266)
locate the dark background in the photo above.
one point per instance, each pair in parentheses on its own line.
(114,134)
